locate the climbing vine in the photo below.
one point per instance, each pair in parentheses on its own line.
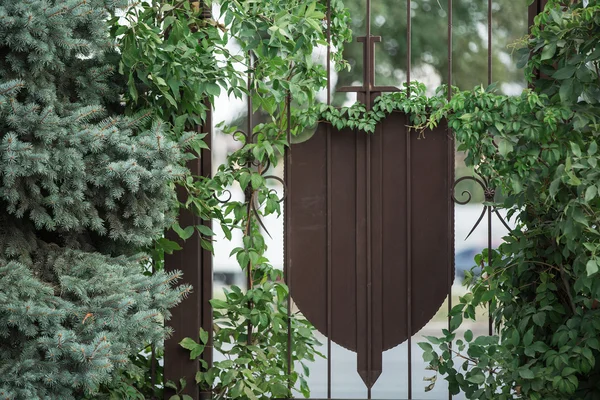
(538,148)
(176,58)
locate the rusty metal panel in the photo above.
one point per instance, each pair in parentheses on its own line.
(388,234)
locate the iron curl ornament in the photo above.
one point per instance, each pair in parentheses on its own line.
(489,194)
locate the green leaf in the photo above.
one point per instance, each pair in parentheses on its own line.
(203,336)
(257,180)
(168,246)
(565,72)
(196,352)
(526,373)
(250,393)
(468,335)
(554,187)
(590,193)
(504,147)
(205,230)
(566,91)
(213,89)
(425,346)
(219,304)
(183,233)
(278,390)
(548,51)
(528,337)
(539,318)
(477,378)
(188,343)
(576,149)
(591,267)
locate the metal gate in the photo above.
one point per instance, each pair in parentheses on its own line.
(374,328)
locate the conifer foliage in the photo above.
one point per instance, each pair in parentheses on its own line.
(82,190)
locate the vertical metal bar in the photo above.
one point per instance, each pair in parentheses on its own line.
(206,317)
(369,268)
(489,27)
(153,370)
(490,320)
(328,289)
(358,244)
(153,358)
(368,57)
(408,40)
(368,65)
(408,206)
(328,16)
(287,215)
(489,40)
(328,294)
(249,199)
(451,171)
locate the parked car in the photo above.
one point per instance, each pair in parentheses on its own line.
(464,260)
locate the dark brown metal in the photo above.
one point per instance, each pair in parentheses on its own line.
(350,301)
(489,41)
(408,207)
(368,90)
(195,311)
(534,9)
(451,155)
(286,238)
(206,272)
(249,195)
(328,289)
(408,40)
(153,358)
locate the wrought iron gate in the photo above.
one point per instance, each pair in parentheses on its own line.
(195,312)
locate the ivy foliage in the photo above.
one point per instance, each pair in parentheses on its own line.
(176,59)
(540,150)
(542,286)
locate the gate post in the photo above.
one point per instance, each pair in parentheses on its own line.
(195,311)
(196,263)
(534,9)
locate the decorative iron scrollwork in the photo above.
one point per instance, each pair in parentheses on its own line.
(489,193)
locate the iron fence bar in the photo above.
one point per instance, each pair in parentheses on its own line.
(489,66)
(249,198)
(489,40)
(153,358)
(357,241)
(408,205)
(206,274)
(287,215)
(329,283)
(450,151)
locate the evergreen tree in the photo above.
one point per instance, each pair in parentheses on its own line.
(82,190)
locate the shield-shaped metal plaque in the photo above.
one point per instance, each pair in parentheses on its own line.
(369,234)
